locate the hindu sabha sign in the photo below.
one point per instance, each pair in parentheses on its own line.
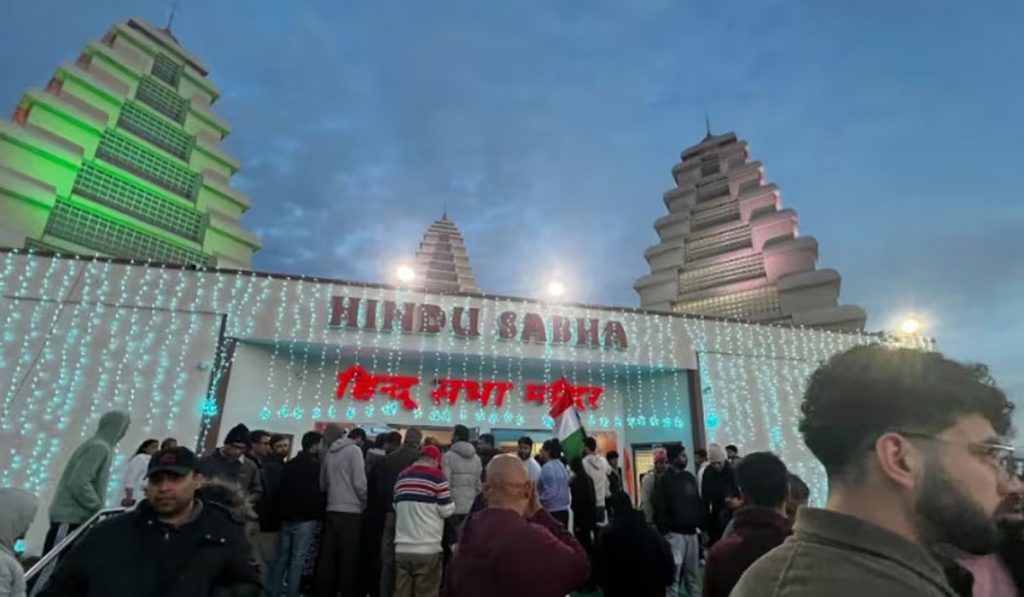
(356,313)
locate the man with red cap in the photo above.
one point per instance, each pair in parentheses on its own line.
(422,502)
(648,480)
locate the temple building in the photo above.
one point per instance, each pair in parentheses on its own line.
(728,249)
(442,263)
(120,156)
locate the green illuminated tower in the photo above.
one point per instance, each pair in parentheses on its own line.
(120,155)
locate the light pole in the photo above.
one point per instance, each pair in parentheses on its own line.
(405,274)
(556,289)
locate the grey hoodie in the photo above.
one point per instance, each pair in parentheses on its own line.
(343,477)
(83,486)
(17,509)
(462,468)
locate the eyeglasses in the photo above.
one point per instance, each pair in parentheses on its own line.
(999,455)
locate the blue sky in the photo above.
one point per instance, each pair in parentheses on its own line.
(549,127)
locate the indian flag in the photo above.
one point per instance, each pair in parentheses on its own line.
(568,427)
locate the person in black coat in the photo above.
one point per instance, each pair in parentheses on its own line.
(584,505)
(631,558)
(301,507)
(380,510)
(717,483)
(171,545)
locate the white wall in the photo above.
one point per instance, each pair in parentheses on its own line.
(62,365)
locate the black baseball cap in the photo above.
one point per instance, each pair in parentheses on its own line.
(179,460)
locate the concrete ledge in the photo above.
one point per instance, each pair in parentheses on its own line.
(842,317)
(25,187)
(85,114)
(39,139)
(203,144)
(96,78)
(707,143)
(223,189)
(815,278)
(659,249)
(229,226)
(205,114)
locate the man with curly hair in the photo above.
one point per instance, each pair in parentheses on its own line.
(915,449)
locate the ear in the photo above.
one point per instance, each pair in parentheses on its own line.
(898,460)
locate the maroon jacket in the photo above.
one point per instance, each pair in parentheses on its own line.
(502,554)
(757,531)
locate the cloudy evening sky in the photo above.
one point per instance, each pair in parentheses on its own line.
(549,127)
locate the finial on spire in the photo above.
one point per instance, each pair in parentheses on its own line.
(707,125)
(444,216)
(170,16)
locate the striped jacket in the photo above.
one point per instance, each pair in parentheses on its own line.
(422,502)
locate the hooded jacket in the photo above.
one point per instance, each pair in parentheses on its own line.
(135,554)
(463,469)
(343,477)
(598,469)
(82,490)
(17,509)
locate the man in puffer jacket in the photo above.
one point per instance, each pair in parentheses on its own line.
(462,468)
(17,509)
(174,544)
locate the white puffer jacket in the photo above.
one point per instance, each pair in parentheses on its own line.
(463,470)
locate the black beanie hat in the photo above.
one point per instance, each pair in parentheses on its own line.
(239,434)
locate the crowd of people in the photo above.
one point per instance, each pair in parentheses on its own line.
(925,498)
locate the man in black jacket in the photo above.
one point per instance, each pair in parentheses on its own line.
(301,507)
(380,503)
(677,514)
(171,545)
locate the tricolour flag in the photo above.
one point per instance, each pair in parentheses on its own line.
(568,427)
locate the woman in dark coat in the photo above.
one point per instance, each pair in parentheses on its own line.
(631,558)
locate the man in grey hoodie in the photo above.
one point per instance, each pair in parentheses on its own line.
(463,469)
(17,509)
(343,478)
(82,490)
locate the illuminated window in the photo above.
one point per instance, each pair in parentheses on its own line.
(748,304)
(156,130)
(110,238)
(166,70)
(723,242)
(119,149)
(165,101)
(100,186)
(735,270)
(719,214)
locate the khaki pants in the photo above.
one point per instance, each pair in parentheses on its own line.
(417,575)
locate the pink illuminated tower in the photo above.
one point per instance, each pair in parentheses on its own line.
(442,263)
(729,249)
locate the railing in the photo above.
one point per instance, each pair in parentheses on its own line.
(35,577)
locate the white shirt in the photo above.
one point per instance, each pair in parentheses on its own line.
(598,469)
(532,469)
(700,478)
(135,476)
